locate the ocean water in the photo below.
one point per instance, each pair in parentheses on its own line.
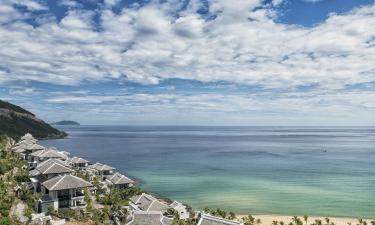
(328,171)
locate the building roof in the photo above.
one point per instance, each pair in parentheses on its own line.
(207,219)
(52,167)
(49,153)
(52,160)
(118,178)
(65,182)
(28,137)
(78,160)
(148,202)
(149,218)
(34,147)
(101,167)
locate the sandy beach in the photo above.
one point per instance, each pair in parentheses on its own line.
(267,219)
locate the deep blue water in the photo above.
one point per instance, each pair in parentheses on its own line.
(258,170)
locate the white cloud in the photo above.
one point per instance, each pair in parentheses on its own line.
(147,44)
(243,45)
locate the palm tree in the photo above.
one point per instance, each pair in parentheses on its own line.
(305,217)
(232,216)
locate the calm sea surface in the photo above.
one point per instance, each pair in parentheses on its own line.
(257,170)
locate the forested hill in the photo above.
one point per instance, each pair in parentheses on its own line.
(16,121)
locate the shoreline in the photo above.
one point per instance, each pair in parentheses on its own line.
(267,219)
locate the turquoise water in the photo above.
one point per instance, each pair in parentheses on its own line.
(257,170)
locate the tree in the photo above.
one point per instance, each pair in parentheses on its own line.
(232,216)
(305,217)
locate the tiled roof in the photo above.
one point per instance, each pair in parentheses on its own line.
(147,202)
(49,153)
(77,160)
(101,167)
(149,218)
(207,219)
(52,167)
(118,178)
(65,182)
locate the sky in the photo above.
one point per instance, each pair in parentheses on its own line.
(191,62)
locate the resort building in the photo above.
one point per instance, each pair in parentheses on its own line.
(181,209)
(47,170)
(42,155)
(119,181)
(207,219)
(78,163)
(28,137)
(149,218)
(146,202)
(25,150)
(102,170)
(63,192)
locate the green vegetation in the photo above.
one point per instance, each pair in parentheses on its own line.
(16,121)
(13,175)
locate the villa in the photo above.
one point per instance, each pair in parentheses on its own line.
(24,150)
(78,163)
(146,202)
(149,218)
(207,219)
(119,181)
(42,155)
(102,170)
(65,191)
(47,170)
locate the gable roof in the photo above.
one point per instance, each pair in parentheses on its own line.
(78,160)
(207,219)
(149,218)
(52,160)
(101,167)
(49,153)
(28,137)
(118,178)
(52,167)
(65,182)
(148,202)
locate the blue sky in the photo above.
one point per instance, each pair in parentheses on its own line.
(191,62)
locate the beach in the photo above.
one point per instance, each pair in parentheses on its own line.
(268,219)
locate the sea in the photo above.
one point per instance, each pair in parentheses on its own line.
(325,171)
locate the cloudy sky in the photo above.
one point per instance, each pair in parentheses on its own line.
(191,62)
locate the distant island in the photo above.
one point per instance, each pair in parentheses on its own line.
(66,122)
(16,121)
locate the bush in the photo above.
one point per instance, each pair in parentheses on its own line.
(5,221)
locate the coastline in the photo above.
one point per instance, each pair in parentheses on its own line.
(268,219)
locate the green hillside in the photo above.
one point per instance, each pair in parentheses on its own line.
(16,121)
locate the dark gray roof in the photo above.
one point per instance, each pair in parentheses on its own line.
(28,137)
(49,153)
(65,182)
(101,167)
(147,202)
(118,178)
(149,218)
(78,160)
(52,166)
(207,219)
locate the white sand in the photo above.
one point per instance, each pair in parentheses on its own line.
(267,219)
